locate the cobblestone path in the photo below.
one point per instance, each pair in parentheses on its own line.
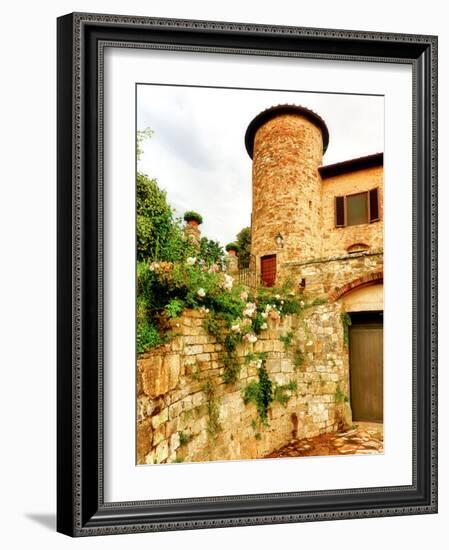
(362,439)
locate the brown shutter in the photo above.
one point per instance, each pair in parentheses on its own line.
(374,205)
(339,211)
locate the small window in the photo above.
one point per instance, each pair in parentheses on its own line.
(357,209)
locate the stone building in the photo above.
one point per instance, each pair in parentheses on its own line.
(321,227)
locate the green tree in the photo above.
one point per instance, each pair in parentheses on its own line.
(244,243)
(211,252)
(159,233)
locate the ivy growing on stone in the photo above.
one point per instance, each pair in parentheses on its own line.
(260,393)
(287,339)
(346,322)
(282,392)
(213,411)
(298,358)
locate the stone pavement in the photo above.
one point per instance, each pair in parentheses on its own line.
(362,439)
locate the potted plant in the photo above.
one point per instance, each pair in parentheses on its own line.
(232,248)
(193,218)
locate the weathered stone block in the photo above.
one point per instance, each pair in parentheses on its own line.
(161,452)
(144,440)
(172,364)
(160,418)
(159,435)
(154,376)
(193,350)
(174,442)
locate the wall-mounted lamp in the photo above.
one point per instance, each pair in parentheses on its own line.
(279,240)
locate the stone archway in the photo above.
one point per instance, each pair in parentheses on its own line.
(370,279)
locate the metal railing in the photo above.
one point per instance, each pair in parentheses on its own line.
(247,276)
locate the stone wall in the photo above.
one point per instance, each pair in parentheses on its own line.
(187,413)
(330,277)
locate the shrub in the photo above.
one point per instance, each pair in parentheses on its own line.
(165,289)
(174,308)
(232,246)
(191,215)
(183,438)
(148,336)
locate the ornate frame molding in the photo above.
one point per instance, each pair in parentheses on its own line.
(81,41)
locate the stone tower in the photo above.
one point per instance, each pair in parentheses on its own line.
(286,144)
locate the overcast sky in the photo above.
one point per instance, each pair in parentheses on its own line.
(197,152)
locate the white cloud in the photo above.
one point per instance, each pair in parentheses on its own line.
(197,152)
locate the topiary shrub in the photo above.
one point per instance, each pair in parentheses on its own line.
(232,246)
(193,216)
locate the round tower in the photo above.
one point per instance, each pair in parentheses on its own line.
(286,144)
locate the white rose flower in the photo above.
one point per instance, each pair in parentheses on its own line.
(191,260)
(264,326)
(250,309)
(228,282)
(201,292)
(235,328)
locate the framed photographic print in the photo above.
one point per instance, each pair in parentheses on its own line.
(246,274)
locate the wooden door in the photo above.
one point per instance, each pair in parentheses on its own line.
(268,269)
(366,368)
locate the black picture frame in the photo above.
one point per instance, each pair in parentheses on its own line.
(81,510)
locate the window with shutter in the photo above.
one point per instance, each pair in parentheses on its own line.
(339,211)
(374,205)
(357,209)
